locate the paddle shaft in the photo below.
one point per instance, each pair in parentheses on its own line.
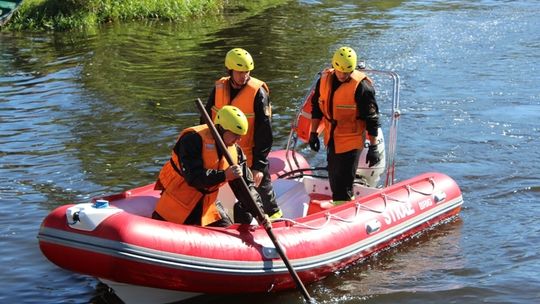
(260,216)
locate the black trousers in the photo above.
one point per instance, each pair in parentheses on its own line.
(341,173)
(267,194)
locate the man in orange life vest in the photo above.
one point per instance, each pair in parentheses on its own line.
(190,180)
(344,99)
(252,97)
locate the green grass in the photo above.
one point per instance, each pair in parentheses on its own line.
(59,15)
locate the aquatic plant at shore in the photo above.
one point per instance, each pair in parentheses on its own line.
(58,15)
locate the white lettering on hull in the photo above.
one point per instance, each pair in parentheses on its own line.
(398,212)
(425,204)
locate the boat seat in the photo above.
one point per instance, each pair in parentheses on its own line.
(291,197)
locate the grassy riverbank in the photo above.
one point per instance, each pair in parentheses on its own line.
(59,15)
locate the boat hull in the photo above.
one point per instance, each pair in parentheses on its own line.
(129,247)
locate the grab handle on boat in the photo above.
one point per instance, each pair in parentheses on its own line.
(260,216)
(75,218)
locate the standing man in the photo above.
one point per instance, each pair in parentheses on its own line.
(190,180)
(344,99)
(250,95)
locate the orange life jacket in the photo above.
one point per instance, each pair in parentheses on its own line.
(244,100)
(349,131)
(178,198)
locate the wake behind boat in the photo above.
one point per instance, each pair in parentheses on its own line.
(114,239)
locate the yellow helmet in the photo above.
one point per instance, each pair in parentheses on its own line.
(344,59)
(232,119)
(239,60)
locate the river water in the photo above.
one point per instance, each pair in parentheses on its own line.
(88,113)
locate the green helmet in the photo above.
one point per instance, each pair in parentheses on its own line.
(239,60)
(344,60)
(232,119)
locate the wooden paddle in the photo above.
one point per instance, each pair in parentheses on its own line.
(263,220)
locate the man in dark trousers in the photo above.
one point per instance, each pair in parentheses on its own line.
(344,100)
(250,95)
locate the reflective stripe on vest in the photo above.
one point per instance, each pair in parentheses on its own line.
(178,198)
(349,131)
(244,100)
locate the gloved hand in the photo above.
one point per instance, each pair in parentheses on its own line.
(314,142)
(233,172)
(373,156)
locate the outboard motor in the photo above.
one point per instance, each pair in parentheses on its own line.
(365,174)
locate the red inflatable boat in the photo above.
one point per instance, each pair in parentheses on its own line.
(114,239)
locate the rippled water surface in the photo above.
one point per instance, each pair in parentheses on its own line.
(82,114)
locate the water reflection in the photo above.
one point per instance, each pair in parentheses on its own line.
(416,261)
(140,79)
